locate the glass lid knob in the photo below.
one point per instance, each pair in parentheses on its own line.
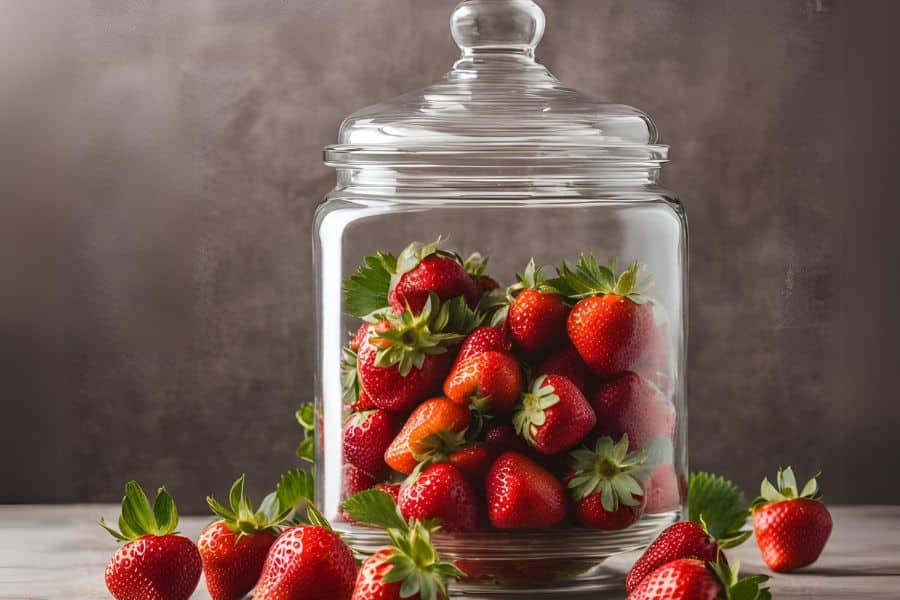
(497,26)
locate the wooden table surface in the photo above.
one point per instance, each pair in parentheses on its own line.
(60,552)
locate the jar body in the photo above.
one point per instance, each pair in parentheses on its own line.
(632,223)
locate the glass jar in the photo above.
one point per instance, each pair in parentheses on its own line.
(500,160)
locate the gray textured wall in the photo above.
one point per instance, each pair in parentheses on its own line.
(161,161)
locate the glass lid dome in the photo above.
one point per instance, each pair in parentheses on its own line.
(496,105)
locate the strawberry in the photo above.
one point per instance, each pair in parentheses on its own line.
(611,323)
(717,515)
(234,548)
(475,266)
(691,579)
(536,316)
(484,339)
(367,436)
(566,362)
(307,562)
(521,494)
(391,489)
(410,567)
(603,486)
(681,540)
(491,382)
(662,490)
(154,563)
(502,437)
(629,404)
(405,357)
(423,269)
(363,402)
(474,461)
(440,492)
(654,364)
(356,480)
(434,430)
(554,416)
(791,525)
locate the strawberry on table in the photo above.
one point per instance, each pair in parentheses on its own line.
(792,525)
(367,436)
(611,322)
(441,492)
(566,362)
(536,317)
(405,357)
(604,489)
(434,430)
(629,404)
(491,382)
(523,495)
(717,515)
(691,579)
(154,562)
(410,567)
(308,562)
(234,548)
(554,416)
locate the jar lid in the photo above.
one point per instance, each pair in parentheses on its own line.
(498,106)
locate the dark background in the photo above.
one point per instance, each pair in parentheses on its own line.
(160,163)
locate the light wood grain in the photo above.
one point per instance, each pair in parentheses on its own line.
(59,552)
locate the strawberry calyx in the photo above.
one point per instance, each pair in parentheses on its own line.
(590,278)
(276,508)
(530,412)
(608,469)
(476,264)
(350,387)
(407,339)
(717,505)
(139,518)
(748,588)
(415,563)
(306,418)
(437,448)
(787,489)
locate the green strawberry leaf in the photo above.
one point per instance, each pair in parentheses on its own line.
(748,588)
(139,518)
(294,487)
(718,505)
(165,512)
(590,278)
(786,488)
(366,290)
(375,507)
(306,417)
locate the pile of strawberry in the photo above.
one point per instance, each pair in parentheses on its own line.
(542,404)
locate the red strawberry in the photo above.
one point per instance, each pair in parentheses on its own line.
(411,566)
(681,540)
(356,480)
(441,492)
(307,562)
(234,548)
(154,563)
(791,525)
(554,417)
(522,495)
(484,339)
(434,430)
(367,436)
(363,402)
(392,489)
(567,363)
(691,579)
(537,314)
(491,382)
(423,269)
(654,364)
(662,490)
(502,437)
(632,405)
(611,324)
(604,489)
(474,462)
(718,515)
(405,358)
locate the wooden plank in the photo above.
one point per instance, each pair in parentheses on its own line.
(51,552)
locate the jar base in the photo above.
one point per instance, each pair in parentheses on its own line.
(533,564)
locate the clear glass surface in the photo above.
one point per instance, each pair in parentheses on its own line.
(500,159)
